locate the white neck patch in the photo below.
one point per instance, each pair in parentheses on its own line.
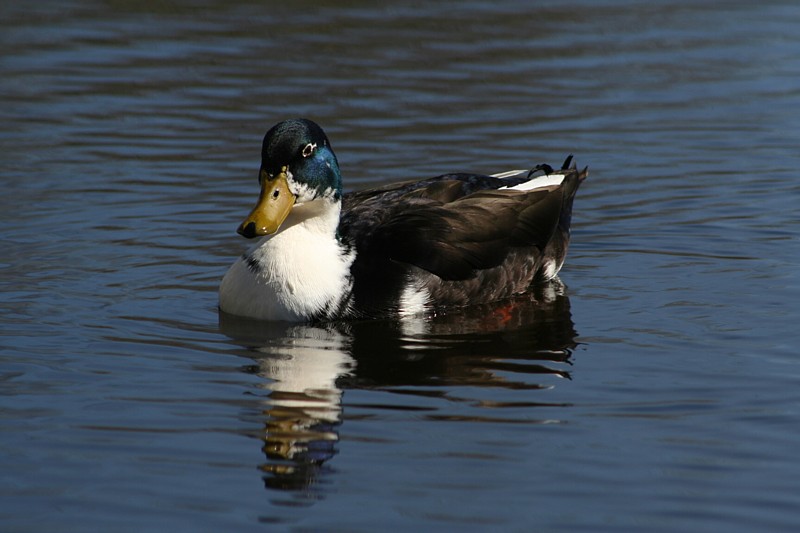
(304,193)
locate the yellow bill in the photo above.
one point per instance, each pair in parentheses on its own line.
(274,204)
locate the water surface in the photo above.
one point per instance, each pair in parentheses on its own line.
(655,387)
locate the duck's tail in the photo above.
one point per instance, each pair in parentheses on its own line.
(555,252)
(572,181)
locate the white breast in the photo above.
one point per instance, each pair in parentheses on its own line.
(292,275)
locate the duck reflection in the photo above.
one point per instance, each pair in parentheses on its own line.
(306,367)
(301,365)
(472,346)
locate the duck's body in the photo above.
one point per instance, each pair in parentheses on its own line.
(400,250)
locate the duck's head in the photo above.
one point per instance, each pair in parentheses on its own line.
(297,166)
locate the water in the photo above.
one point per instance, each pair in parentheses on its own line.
(655,389)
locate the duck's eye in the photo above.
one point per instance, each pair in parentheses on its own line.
(309,149)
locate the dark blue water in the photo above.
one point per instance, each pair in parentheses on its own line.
(657,387)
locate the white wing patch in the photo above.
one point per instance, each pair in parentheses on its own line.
(509,174)
(541,181)
(534,183)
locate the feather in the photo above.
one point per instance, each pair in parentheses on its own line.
(453,226)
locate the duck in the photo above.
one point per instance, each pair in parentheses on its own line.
(411,248)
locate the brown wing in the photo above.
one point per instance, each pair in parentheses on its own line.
(455,240)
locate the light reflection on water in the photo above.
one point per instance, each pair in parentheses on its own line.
(658,390)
